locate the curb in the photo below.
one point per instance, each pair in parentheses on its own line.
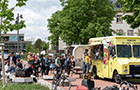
(48,84)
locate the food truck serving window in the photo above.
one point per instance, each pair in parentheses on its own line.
(136,50)
(124,51)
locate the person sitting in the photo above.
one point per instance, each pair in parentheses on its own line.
(19,72)
(19,64)
(28,71)
(12,68)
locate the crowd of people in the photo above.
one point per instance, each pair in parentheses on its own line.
(44,64)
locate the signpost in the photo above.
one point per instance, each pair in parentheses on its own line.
(3,69)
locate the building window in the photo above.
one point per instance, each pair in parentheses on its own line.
(118,19)
(130,33)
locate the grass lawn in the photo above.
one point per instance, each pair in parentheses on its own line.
(134,79)
(23,87)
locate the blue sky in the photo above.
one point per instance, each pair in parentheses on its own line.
(35,14)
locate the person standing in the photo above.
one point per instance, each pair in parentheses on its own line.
(36,65)
(57,63)
(62,60)
(87,63)
(65,63)
(11,57)
(69,64)
(18,55)
(42,64)
(73,64)
(29,58)
(47,64)
(52,65)
(84,66)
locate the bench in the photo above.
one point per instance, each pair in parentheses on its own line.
(22,79)
(72,79)
(48,77)
(77,68)
(11,76)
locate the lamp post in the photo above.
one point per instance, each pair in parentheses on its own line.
(17,21)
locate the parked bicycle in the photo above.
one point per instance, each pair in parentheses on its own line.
(124,85)
(60,78)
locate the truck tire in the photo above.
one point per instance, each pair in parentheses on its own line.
(117,77)
(95,73)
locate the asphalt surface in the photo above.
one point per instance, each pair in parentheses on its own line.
(98,82)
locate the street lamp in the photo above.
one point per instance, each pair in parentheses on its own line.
(17,21)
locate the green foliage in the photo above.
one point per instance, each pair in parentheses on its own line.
(29,48)
(24,56)
(45,45)
(7,16)
(38,44)
(131,6)
(54,29)
(80,20)
(120,32)
(23,87)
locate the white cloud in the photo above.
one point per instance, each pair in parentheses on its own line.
(35,14)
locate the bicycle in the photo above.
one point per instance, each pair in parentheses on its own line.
(129,85)
(60,78)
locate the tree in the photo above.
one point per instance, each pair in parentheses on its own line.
(45,45)
(80,20)
(120,32)
(7,16)
(37,44)
(29,48)
(131,6)
(53,27)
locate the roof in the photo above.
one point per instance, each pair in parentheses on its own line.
(118,37)
(99,40)
(12,34)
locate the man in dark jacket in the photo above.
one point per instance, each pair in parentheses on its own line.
(28,71)
(11,57)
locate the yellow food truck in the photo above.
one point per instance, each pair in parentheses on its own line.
(115,57)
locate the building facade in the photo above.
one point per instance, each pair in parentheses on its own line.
(10,41)
(121,26)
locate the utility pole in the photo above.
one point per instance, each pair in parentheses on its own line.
(17,21)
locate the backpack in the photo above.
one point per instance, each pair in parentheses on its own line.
(19,72)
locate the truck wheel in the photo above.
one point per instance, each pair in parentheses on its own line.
(95,73)
(117,77)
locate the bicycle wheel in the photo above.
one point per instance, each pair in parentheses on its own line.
(57,84)
(54,81)
(67,80)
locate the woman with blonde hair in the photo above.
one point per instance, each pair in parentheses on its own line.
(12,68)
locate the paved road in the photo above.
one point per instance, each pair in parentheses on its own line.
(98,82)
